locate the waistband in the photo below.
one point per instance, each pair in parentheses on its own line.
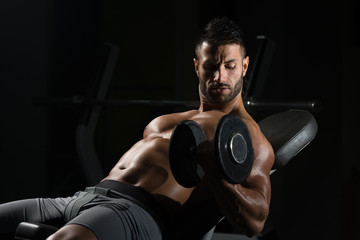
(145,200)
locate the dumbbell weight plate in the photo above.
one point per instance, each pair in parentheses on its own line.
(233,148)
(183,143)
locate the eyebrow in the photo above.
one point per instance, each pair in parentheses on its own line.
(214,62)
(230,61)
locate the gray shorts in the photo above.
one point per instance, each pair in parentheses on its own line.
(116,218)
(130,213)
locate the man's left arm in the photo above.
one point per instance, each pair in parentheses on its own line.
(244,205)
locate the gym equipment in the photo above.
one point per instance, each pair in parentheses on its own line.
(85,130)
(184,140)
(232,148)
(288,132)
(39,231)
(252,105)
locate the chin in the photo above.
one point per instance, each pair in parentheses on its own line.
(221,100)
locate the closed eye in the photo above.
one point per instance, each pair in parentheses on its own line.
(231,67)
(231,64)
(210,67)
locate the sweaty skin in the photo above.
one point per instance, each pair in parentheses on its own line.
(220,70)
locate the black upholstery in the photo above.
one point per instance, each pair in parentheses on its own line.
(36,231)
(288,132)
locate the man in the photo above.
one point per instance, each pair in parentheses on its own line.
(140,199)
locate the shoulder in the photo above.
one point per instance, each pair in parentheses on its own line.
(263,151)
(164,124)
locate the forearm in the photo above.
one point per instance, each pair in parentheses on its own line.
(244,207)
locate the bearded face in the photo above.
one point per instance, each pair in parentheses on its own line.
(220,70)
(220,93)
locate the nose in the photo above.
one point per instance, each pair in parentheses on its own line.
(220,74)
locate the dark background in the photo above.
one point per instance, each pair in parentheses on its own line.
(53,49)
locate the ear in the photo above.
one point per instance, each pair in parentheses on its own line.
(196,66)
(245,64)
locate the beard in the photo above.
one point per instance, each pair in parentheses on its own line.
(220,98)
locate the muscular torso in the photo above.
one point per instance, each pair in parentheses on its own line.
(146,164)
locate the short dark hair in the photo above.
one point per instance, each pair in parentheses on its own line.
(220,31)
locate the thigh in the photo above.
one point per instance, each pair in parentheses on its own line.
(30,210)
(123,220)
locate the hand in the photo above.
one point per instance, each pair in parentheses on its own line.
(205,156)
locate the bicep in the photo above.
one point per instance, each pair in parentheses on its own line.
(259,178)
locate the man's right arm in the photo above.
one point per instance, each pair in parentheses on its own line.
(164,125)
(158,126)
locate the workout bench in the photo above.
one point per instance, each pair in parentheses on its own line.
(288,132)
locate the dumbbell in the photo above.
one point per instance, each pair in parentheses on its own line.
(232,148)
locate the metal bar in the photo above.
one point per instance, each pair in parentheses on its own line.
(251,105)
(254,105)
(81,101)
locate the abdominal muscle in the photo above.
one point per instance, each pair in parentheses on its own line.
(146,165)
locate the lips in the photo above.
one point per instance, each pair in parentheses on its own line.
(218,85)
(219,90)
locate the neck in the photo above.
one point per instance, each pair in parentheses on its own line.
(235,105)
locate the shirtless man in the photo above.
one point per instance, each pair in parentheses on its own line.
(172,211)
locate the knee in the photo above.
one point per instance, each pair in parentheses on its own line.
(56,236)
(73,232)
(63,236)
